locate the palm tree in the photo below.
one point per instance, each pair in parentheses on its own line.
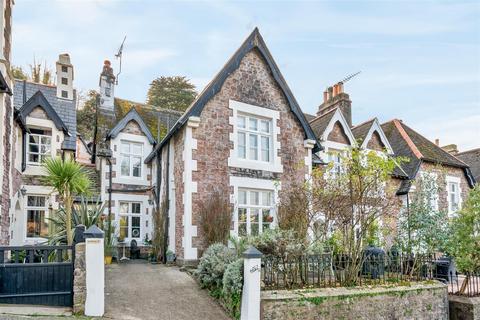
(68,178)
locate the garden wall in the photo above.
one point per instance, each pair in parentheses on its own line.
(419,301)
(464,308)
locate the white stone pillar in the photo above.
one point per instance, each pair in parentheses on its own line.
(250,309)
(95,272)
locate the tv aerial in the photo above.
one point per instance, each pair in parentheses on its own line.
(118,55)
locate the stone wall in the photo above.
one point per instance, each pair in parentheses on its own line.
(79,279)
(419,301)
(338,134)
(6,167)
(464,308)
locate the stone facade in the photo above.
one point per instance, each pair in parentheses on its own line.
(338,134)
(251,83)
(179,145)
(375,143)
(6,167)
(418,301)
(79,280)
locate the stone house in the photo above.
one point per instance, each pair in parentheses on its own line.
(244,136)
(45,126)
(6,120)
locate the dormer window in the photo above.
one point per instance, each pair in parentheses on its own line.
(131,159)
(39,146)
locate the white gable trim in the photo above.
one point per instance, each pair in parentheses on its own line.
(338,116)
(376,127)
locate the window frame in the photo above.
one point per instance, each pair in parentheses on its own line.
(131,156)
(248,133)
(45,208)
(130,215)
(274,163)
(450,180)
(39,144)
(249,208)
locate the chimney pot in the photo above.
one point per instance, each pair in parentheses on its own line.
(330,93)
(437,142)
(325,96)
(340,87)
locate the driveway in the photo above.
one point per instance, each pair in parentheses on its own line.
(138,290)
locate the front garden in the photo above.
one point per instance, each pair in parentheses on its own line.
(344,230)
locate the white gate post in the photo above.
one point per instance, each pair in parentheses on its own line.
(95,272)
(250,309)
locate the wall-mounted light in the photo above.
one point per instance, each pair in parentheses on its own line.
(22,191)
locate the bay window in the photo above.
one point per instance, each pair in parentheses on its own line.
(254,138)
(131,159)
(37,216)
(255,211)
(130,220)
(39,145)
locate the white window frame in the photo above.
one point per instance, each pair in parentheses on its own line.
(248,132)
(40,144)
(38,208)
(239,183)
(242,109)
(457,181)
(129,214)
(249,208)
(131,155)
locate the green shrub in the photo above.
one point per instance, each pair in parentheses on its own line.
(232,287)
(213,264)
(279,243)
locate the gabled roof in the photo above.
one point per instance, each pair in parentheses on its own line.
(322,125)
(254,41)
(39,100)
(363,133)
(410,144)
(65,109)
(132,115)
(472,158)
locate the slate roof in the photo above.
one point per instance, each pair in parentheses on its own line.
(472,158)
(410,144)
(254,41)
(65,109)
(320,123)
(309,117)
(360,131)
(131,115)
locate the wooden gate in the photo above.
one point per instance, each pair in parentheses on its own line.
(37,275)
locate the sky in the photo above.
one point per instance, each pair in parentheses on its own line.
(419,60)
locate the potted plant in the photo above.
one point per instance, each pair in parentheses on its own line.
(108,254)
(170,256)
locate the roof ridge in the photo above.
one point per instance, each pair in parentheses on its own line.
(438,147)
(321,116)
(399,125)
(36,83)
(467,151)
(365,122)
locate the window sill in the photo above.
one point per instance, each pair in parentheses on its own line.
(255,165)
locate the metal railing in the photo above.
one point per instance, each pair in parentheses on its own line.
(328,270)
(464,284)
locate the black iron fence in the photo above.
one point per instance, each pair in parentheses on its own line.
(464,284)
(329,270)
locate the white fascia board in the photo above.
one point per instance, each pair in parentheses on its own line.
(338,116)
(376,127)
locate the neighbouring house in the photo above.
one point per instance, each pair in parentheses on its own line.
(244,136)
(45,126)
(472,159)
(452,175)
(6,121)
(118,153)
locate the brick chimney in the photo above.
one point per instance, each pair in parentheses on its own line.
(334,97)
